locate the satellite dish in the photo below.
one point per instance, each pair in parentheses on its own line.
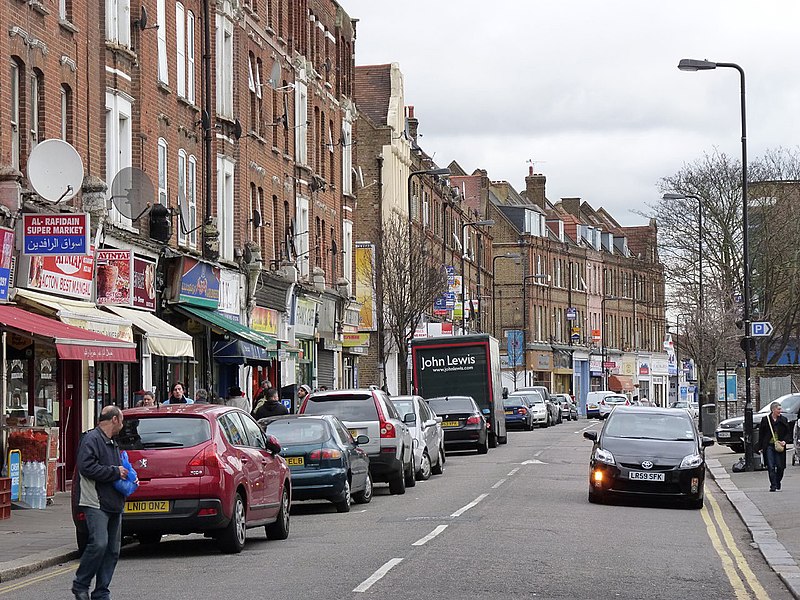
(237,129)
(275,74)
(142,18)
(256,220)
(132,193)
(55,170)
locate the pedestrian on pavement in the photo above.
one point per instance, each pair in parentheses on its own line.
(148,399)
(237,398)
(178,395)
(99,466)
(262,390)
(773,435)
(270,406)
(201,396)
(302,393)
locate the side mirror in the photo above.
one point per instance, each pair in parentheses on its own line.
(707,441)
(362,440)
(590,435)
(272,444)
(410,419)
(439,420)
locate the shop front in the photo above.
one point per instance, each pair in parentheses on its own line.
(267,321)
(643,371)
(659,379)
(562,370)
(329,348)
(305,330)
(580,376)
(623,381)
(540,367)
(596,373)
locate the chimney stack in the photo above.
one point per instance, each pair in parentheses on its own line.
(535,188)
(412,123)
(571,205)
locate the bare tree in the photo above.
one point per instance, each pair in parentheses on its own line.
(411,279)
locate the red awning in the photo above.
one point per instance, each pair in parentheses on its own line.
(72,343)
(620,383)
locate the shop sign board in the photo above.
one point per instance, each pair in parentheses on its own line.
(6,258)
(265,320)
(305,317)
(229,303)
(198,283)
(14,471)
(365,291)
(351,340)
(56,234)
(113,278)
(63,275)
(144,283)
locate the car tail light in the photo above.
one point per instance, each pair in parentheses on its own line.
(387,429)
(473,420)
(204,462)
(206,512)
(627,403)
(325,454)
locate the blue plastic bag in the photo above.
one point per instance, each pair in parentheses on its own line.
(128,485)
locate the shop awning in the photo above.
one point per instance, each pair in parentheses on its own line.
(78,314)
(220,323)
(620,383)
(237,352)
(72,343)
(162,338)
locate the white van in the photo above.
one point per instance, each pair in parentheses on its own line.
(593,402)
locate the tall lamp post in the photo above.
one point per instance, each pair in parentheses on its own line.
(689,64)
(699,293)
(512,255)
(603,336)
(484,223)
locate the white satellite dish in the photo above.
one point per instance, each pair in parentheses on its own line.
(275,75)
(55,170)
(132,192)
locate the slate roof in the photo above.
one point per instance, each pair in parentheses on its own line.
(373,89)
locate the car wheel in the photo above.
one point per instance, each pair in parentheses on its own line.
(492,440)
(279,530)
(397,485)
(343,505)
(232,538)
(483,448)
(409,474)
(148,538)
(364,496)
(438,468)
(424,472)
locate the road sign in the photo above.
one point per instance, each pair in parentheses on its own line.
(572,314)
(761,329)
(575,337)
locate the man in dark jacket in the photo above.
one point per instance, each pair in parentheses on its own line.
(270,406)
(774,429)
(99,466)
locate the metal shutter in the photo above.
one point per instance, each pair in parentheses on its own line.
(325,368)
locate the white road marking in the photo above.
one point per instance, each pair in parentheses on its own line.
(585,428)
(534,461)
(464,509)
(377,575)
(538,453)
(422,541)
(513,471)
(499,483)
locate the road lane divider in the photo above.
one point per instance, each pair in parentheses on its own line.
(513,472)
(499,483)
(585,428)
(465,508)
(727,562)
(424,540)
(377,575)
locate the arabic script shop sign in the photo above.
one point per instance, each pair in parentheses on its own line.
(57,234)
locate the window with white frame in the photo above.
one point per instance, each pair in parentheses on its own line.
(34,105)
(225,187)
(66,112)
(65,10)
(347,250)
(118,21)
(301,120)
(252,232)
(347,157)
(260,230)
(163,197)
(190,38)
(302,235)
(224,66)
(180,54)
(15,113)
(191,198)
(161,33)
(118,144)
(183,224)
(426,209)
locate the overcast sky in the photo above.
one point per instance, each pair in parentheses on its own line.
(588,89)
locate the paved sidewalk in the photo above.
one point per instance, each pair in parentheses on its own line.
(771,517)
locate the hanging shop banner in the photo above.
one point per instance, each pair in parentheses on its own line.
(6,258)
(70,276)
(514,347)
(198,283)
(265,320)
(365,278)
(144,283)
(55,234)
(229,303)
(352,340)
(305,317)
(113,278)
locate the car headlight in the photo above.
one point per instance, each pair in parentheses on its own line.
(604,456)
(691,461)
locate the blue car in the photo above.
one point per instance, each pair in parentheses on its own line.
(518,413)
(325,461)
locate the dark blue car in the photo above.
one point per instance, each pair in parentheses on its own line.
(326,462)
(518,413)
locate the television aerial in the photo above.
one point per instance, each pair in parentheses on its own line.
(132,193)
(55,170)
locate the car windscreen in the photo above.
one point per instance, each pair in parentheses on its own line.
(163,432)
(403,406)
(531,398)
(346,407)
(791,404)
(652,426)
(513,402)
(299,431)
(455,404)
(615,399)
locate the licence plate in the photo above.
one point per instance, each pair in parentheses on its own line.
(295,461)
(509,412)
(724,434)
(147,506)
(449,423)
(646,476)
(593,406)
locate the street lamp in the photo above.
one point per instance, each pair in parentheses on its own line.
(688,64)
(512,255)
(603,336)
(525,309)
(483,223)
(669,196)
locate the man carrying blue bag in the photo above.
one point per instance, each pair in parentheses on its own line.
(100,470)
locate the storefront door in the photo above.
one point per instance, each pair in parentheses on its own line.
(70,397)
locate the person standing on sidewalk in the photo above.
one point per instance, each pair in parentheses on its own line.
(99,466)
(773,435)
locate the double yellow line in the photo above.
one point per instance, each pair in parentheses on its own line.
(738,572)
(18,585)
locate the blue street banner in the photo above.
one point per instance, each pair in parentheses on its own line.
(514,347)
(55,234)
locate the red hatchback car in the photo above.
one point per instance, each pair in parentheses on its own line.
(202,468)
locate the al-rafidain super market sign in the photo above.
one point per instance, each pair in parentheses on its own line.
(55,234)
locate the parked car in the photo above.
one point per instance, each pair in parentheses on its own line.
(729,432)
(463,422)
(540,412)
(690,407)
(569,410)
(202,468)
(325,461)
(593,402)
(426,435)
(518,413)
(608,403)
(643,451)
(370,412)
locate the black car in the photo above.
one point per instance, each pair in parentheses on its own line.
(326,462)
(729,431)
(463,423)
(643,451)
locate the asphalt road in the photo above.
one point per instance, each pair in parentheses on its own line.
(512,524)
